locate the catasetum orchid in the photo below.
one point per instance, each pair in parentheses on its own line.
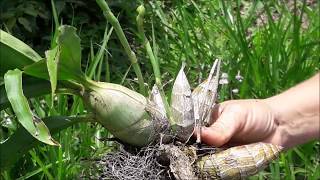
(138,121)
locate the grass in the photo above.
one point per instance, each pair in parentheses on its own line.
(273,45)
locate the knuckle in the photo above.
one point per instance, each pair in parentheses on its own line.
(235,108)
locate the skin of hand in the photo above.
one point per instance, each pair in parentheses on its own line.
(288,119)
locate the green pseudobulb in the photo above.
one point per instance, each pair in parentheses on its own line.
(121,111)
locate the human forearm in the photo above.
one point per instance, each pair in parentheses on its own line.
(297,113)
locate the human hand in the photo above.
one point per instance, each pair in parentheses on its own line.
(240,122)
(288,119)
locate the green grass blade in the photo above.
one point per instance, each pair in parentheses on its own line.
(316,174)
(39,170)
(35,172)
(19,103)
(107,73)
(56,24)
(60,163)
(99,57)
(41,164)
(125,75)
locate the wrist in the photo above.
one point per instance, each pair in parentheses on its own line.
(282,135)
(294,126)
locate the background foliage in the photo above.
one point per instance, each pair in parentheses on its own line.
(270,45)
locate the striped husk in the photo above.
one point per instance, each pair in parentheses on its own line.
(237,162)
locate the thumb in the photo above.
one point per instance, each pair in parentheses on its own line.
(221,131)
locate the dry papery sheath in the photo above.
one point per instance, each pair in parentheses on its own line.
(192,110)
(182,107)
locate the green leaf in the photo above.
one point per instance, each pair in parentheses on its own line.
(20,106)
(70,54)
(32,87)
(52,66)
(21,141)
(15,53)
(37,69)
(62,62)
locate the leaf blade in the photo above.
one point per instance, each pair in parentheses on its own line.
(70,53)
(52,66)
(62,62)
(35,126)
(37,69)
(15,53)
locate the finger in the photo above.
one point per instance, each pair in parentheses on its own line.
(221,131)
(232,143)
(216,112)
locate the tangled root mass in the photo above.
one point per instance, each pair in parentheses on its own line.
(122,165)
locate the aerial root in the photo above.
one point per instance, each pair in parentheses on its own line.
(160,162)
(124,165)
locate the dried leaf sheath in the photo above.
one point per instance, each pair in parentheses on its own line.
(155,107)
(156,104)
(237,162)
(182,106)
(204,97)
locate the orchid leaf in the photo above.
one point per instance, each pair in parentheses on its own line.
(34,125)
(21,141)
(62,62)
(37,69)
(15,53)
(52,66)
(70,54)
